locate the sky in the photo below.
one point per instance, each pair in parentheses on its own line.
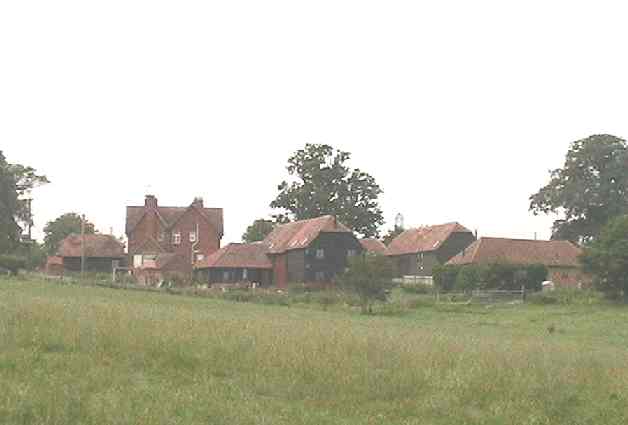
(459,109)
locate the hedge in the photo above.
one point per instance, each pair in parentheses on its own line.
(491,276)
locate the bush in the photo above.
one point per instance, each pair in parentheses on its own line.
(566,296)
(445,277)
(491,276)
(12,263)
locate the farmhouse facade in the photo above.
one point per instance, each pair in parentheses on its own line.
(560,257)
(416,252)
(191,233)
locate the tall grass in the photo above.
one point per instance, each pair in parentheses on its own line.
(98,356)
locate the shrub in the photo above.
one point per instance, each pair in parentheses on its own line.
(445,277)
(12,263)
(417,288)
(370,278)
(566,296)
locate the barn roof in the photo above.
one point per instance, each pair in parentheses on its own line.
(519,251)
(105,246)
(237,255)
(424,239)
(373,245)
(300,234)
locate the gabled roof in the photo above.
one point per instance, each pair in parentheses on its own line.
(170,215)
(300,234)
(104,246)
(237,255)
(424,239)
(519,251)
(373,245)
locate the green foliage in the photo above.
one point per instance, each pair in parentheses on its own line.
(590,189)
(323,184)
(258,230)
(606,258)
(566,296)
(370,277)
(33,253)
(492,276)
(392,234)
(417,288)
(12,263)
(60,228)
(445,277)
(16,180)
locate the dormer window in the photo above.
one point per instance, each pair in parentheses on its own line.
(176,238)
(192,236)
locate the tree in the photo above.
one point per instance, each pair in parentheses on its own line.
(258,230)
(392,234)
(16,180)
(590,189)
(64,225)
(606,258)
(370,277)
(323,184)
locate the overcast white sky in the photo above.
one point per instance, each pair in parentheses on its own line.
(458,108)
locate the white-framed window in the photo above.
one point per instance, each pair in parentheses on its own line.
(200,257)
(351,253)
(192,236)
(176,238)
(320,276)
(137,260)
(320,253)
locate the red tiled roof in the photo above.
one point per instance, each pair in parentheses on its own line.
(237,255)
(423,239)
(105,246)
(373,245)
(170,215)
(300,234)
(519,251)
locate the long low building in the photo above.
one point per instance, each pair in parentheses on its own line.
(560,257)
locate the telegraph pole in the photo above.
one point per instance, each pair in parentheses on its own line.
(82,246)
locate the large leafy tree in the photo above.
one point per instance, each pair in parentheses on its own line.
(58,229)
(590,189)
(322,183)
(258,230)
(606,258)
(16,180)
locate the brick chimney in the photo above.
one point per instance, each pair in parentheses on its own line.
(198,202)
(150,201)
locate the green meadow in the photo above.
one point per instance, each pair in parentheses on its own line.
(88,355)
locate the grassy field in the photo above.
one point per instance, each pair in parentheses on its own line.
(71,355)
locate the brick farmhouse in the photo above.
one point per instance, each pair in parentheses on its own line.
(170,240)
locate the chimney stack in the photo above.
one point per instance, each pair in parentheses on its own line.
(150,201)
(198,202)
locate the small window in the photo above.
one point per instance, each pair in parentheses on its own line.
(320,276)
(225,276)
(320,253)
(192,236)
(176,238)
(245,274)
(351,253)
(200,257)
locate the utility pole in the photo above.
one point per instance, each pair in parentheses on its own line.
(82,246)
